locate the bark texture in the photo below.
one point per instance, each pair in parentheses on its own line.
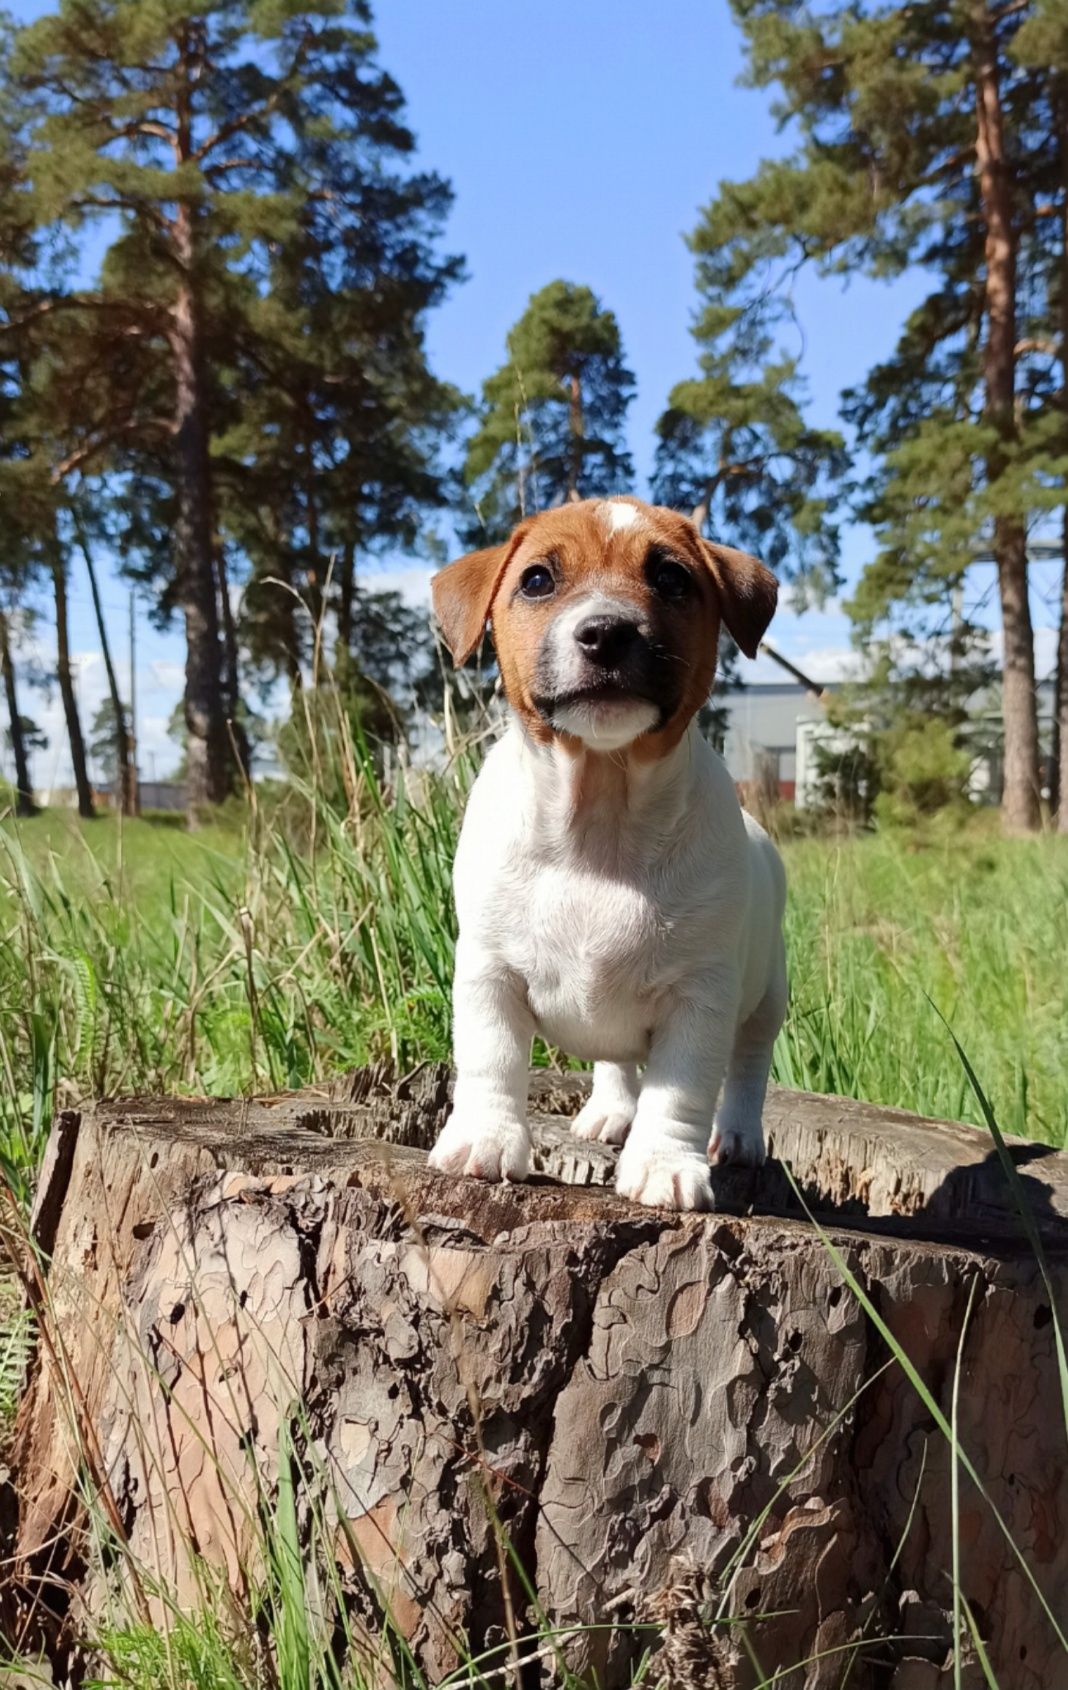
(628,1395)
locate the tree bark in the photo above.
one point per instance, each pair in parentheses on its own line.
(129,796)
(700,513)
(1021,808)
(575,432)
(82,784)
(24,804)
(661,1413)
(208,762)
(207,749)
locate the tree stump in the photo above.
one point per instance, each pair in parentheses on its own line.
(659,1418)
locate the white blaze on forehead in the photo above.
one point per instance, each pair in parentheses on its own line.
(619,515)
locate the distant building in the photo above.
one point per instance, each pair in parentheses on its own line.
(771,728)
(154,794)
(775,730)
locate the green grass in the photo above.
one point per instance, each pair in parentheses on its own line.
(277,948)
(880,929)
(284,944)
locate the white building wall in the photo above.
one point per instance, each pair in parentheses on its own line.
(763,721)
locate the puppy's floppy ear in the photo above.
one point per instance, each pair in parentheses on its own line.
(463,593)
(747,593)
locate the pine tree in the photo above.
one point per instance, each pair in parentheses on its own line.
(1041,45)
(191,126)
(122,760)
(553,416)
(333,455)
(733,444)
(31,488)
(16,728)
(29,533)
(919,135)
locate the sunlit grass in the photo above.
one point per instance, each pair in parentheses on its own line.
(292,942)
(880,929)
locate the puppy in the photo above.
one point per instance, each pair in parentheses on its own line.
(611,893)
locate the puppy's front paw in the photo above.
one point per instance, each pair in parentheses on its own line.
(664,1179)
(482,1148)
(738,1145)
(606,1122)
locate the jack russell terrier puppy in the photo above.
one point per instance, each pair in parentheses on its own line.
(611,893)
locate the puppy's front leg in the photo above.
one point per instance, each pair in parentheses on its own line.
(665,1160)
(609,1110)
(486,1135)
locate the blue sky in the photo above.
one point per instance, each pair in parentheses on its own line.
(581,138)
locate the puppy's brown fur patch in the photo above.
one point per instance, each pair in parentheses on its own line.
(589,551)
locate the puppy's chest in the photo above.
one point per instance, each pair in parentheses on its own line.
(594,954)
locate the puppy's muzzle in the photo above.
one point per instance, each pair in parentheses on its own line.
(606,642)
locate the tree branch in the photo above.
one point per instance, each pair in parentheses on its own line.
(78,302)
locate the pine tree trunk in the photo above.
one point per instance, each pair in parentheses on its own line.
(235,725)
(659,1413)
(1020,799)
(207,748)
(24,804)
(208,762)
(575,431)
(128,794)
(82,784)
(700,513)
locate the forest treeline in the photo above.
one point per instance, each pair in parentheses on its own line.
(218,257)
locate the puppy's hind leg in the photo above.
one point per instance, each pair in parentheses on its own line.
(609,1111)
(738,1134)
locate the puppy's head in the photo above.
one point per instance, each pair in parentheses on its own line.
(606,618)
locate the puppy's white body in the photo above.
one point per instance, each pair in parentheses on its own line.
(629,912)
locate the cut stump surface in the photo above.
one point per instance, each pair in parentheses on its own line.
(665,1416)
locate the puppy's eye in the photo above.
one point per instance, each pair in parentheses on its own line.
(537,582)
(671,580)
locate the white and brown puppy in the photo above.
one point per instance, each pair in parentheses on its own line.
(611,894)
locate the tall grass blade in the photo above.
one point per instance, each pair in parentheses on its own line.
(1023,1209)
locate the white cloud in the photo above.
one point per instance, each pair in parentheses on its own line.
(821,663)
(411,581)
(164,676)
(161,681)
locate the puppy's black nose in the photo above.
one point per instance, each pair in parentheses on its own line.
(606,639)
